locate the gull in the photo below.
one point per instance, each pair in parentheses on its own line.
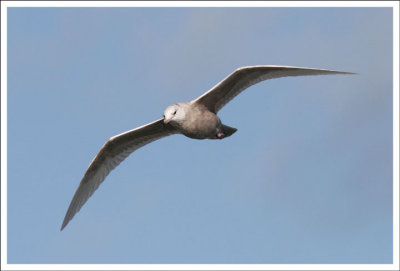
(196,119)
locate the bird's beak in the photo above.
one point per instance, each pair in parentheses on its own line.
(166,120)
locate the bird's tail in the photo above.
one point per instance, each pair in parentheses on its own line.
(227,130)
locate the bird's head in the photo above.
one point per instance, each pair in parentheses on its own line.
(174,114)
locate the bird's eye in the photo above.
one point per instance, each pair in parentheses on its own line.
(175,113)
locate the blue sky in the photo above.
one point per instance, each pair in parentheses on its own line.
(306,179)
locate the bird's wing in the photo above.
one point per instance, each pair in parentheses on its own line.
(113,152)
(244,77)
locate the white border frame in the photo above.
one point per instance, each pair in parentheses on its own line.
(6,266)
(200,3)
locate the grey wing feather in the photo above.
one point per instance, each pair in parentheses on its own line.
(113,152)
(244,77)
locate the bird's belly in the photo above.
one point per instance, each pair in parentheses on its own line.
(201,128)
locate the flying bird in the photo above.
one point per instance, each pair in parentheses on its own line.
(195,119)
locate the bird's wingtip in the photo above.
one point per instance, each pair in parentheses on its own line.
(64,224)
(354,73)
